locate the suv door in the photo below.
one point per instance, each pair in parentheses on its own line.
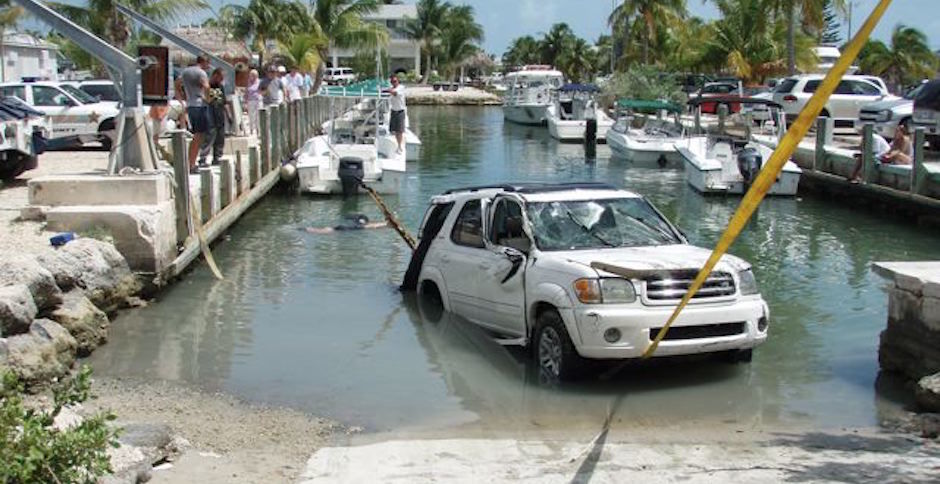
(864,92)
(461,260)
(501,279)
(56,104)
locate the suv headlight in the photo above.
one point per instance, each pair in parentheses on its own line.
(747,283)
(885,115)
(605,291)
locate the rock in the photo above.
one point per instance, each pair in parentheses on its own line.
(46,352)
(927,393)
(85,322)
(17,309)
(105,277)
(129,465)
(147,436)
(929,425)
(64,266)
(22,269)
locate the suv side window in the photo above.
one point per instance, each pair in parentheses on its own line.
(507,226)
(865,89)
(16,91)
(845,87)
(785,86)
(49,96)
(811,86)
(468,228)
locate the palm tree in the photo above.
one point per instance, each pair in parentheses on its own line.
(556,43)
(341,22)
(102,18)
(522,50)
(461,33)
(647,13)
(906,61)
(427,28)
(577,61)
(269,20)
(303,51)
(9,17)
(750,44)
(812,14)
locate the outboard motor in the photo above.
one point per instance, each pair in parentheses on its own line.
(350,174)
(749,164)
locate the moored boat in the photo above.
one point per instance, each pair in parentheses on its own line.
(530,94)
(647,141)
(574,108)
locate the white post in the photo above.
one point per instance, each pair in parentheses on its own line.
(418,59)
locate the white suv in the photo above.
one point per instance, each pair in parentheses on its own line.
(843,106)
(533,263)
(76,116)
(339,76)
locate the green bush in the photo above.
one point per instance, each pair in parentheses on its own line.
(32,450)
(645,83)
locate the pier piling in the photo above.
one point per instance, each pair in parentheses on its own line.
(917,177)
(819,161)
(868,156)
(264,126)
(254,166)
(181,190)
(227,183)
(206,190)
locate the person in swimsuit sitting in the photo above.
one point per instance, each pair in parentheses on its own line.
(355,221)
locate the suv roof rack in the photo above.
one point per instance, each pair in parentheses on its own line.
(536,187)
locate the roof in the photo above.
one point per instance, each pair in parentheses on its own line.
(393,12)
(213,40)
(542,191)
(20,39)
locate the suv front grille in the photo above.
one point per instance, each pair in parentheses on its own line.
(698,332)
(674,284)
(868,116)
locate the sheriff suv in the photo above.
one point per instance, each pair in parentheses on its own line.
(581,271)
(76,116)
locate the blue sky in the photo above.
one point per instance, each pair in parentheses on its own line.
(504,20)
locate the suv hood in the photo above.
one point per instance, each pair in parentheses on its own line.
(887,103)
(663,257)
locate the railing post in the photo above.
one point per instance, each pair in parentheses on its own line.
(181,191)
(698,120)
(917,176)
(869,170)
(264,125)
(722,114)
(275,137)
(819,162)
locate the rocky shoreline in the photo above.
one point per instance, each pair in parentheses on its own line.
(465,96)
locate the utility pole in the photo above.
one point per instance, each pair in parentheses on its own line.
(613,6)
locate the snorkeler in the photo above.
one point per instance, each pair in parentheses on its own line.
(356,221)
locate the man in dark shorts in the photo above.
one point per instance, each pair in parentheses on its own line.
(218,112)
(356,221)
(396,103)
(196,85)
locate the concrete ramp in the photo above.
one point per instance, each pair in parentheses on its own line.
(813,457)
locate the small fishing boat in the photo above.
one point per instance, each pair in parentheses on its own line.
(366,107)
(646,140)
(355,147)
(575,106)
(530,94)
(722,164)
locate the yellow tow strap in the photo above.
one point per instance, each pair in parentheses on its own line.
(768,175)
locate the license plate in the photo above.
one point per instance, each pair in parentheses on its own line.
(925,115)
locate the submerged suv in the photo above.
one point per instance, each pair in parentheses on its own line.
(581,271)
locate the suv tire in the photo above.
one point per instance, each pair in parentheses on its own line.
(737,356)
(553,351)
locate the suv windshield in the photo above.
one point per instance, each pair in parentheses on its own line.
(591,224)
(77,93)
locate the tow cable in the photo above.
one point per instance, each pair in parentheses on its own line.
(389,216)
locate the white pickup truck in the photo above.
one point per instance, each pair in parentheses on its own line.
(76,116)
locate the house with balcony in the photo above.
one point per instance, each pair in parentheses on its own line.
(404,53)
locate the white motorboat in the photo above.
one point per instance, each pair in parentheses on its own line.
(575,105)
(366,107)
(652,141)
(720,164)
(530,94)
(356,147)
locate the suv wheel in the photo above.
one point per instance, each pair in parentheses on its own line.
(554,352)
(737,356)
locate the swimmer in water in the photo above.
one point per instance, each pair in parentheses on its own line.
(351,222)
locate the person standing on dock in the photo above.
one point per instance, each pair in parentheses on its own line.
(396,103)
(218,112)
(272,88)
(253,100)
(196,85)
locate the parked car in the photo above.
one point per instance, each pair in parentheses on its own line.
(927,112)
(843,106)
(76,116)
(887,115)
(102,89)
(23,134)
(713,89)
(527,263)
(339,76)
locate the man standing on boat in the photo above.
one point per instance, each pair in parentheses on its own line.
(396,103)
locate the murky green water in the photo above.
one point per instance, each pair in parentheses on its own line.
(315,322)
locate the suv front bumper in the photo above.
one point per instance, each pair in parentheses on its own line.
(635,325)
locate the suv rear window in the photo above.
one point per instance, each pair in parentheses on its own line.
(785,86)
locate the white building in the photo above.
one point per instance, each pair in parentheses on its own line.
(404,53)
(25,56)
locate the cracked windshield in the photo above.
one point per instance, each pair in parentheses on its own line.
(469,241)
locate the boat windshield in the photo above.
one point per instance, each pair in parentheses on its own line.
(592,224)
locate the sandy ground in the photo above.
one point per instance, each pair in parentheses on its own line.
(232,442)
(17,235)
